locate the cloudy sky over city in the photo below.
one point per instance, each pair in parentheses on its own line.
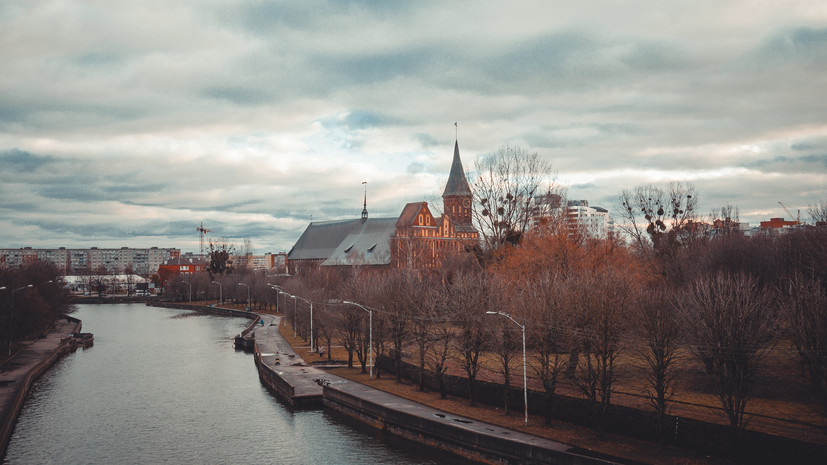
(130,123)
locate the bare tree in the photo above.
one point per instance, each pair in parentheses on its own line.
(350,329)
(546,302)
(818,213)
(731,320)
(605,302)
(466,296)
(505,343)
(807,314)
(99,279)
(656,217)
(220,252)
(423,321)
(442,340)
(659,329)
(505,185)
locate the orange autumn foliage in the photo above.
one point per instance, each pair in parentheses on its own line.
(564,254)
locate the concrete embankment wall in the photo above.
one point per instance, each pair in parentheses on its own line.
(11,411)
(463,442)
(206,309)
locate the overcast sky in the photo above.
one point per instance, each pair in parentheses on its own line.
(129,123)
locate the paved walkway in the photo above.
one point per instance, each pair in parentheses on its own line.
(272,345)
(291,367)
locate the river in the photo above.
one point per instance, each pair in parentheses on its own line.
(166,386)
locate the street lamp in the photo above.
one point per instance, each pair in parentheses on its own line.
(370,340)
(190,285)
(276,288)
(248,294)
(295,314)
(11,311)
(311,319)
(220,291)
(525,384)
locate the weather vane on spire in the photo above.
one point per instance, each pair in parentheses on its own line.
(456,131)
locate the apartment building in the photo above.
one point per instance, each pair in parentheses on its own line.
(116,261)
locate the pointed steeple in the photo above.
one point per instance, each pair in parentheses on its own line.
(365,206)
(457,182)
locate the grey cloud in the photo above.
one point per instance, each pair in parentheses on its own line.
(238,95)
(80,192)
(805,46)
(23,161)
(98,59)
(788,163)
(427,140)
(652,56)
(267,17)
(414,168)
(364,119)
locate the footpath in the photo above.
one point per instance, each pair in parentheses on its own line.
(19,372)
(285,373)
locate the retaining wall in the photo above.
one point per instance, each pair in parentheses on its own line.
(467,443)
(687,433)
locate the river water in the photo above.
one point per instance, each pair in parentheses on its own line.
(166,386)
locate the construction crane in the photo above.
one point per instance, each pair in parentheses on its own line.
(202,232)
(797,217)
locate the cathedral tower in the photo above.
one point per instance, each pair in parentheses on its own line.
(457,198)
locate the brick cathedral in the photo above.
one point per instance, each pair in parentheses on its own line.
(416,239)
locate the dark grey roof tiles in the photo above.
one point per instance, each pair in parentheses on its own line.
(457,182)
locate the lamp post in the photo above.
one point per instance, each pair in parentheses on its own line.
(248,294)
(525,383)
(370,337)
(295,314)
(276,288)
(11,311)
(220,291)
(311,319)
(190,285)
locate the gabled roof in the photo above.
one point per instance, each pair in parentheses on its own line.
(368,246)
(410,213)
(339,242)
(321,238)
(457,182)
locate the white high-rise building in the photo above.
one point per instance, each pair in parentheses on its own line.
(578,216)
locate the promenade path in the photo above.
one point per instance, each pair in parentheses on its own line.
(291,369)
(17,374)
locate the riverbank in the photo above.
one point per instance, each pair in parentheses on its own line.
(21,370)
(285,373)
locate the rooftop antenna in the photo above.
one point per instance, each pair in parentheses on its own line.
(365,207)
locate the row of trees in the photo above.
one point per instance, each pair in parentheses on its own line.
(595,307)
(31,299)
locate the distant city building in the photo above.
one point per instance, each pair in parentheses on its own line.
(186,264)
(416,239)
(268,262)
(74,261)
(577,215)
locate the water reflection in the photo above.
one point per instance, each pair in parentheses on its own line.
(161,388)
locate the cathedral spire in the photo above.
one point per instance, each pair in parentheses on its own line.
(365,205)
(457,182)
